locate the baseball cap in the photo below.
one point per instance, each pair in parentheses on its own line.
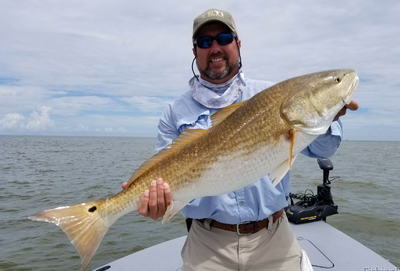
(214,15)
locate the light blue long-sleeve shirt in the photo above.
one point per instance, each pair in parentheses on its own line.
(253,202)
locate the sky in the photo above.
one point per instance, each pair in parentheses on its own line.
(109,68)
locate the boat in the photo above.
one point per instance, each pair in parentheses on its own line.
(326,247)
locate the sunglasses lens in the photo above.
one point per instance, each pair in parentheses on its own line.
(204,42)
(222,39)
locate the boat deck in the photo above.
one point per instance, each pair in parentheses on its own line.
(326,247)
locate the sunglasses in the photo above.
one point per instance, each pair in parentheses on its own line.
(222,39)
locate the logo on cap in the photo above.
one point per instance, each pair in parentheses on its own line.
(215,13)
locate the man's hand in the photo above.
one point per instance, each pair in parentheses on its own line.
(353,105)
(155,201)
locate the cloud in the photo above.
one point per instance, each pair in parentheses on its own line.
(82,127)
(40,121)
(12,121)
(75,105)
(37,121)
(100,74)
(147,103)
(26,98)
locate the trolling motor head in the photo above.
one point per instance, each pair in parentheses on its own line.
(312,207)
(324,189)
(326,165)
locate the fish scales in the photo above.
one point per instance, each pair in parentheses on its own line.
(253,132)
(247,141)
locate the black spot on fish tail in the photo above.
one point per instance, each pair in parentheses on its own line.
(92,209)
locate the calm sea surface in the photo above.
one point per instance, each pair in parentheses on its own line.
(38,173)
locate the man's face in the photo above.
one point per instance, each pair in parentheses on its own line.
(219,63)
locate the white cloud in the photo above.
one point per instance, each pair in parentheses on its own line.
(40,121)
(147,103)
(121,130)
(16,98)
(12,121)
(65,55)
(37,121)
(82,127)
(75,105)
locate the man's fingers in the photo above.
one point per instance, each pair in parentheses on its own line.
(144,204)
(353,105)
(167,194)
(342,112)
(124,184)
(160,197)
(153,200)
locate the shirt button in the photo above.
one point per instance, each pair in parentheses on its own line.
(242,201)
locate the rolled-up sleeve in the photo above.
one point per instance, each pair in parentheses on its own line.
(325,145)
(167,131)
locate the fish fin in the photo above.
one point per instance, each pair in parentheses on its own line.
(222,114)
(188,136)
(292,134)
(279,172)
(83,224)
(173,208)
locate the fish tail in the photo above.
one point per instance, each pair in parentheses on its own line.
(85,225)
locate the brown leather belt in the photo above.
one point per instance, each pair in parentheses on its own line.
(246,227)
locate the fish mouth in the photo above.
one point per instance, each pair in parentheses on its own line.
(347,100)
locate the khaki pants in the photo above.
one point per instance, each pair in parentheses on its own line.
(271,249)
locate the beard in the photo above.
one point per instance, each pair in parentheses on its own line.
(213,75)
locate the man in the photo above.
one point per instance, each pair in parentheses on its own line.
(216,240)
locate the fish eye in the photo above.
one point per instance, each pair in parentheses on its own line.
(338,79)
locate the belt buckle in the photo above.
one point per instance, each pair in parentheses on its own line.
(238,228)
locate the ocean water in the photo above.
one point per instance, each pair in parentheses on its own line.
(38,173)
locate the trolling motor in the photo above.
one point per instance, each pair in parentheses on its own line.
(310,207)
